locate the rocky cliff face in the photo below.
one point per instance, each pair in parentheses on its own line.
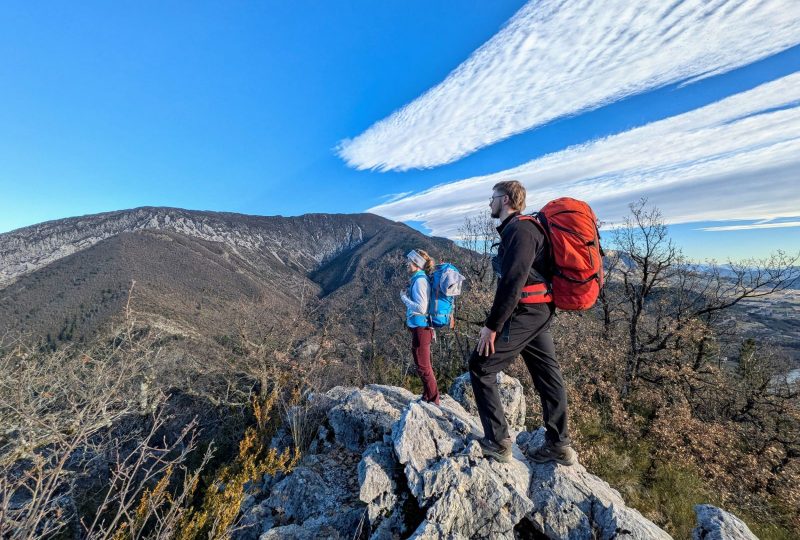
(303,242)
(385,465)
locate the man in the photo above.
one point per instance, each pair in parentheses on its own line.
(519,323)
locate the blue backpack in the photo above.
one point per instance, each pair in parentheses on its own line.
(445,284)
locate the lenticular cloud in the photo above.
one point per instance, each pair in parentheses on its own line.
(556,58)
(737,159)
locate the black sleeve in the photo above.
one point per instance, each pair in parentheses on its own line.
(519,245)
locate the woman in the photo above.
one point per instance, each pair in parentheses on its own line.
(415,298)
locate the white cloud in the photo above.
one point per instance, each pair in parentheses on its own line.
(391,197)
(737,159)
(555,59)
(752,226)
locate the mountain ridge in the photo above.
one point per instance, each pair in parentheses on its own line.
(28,249)
(64,279)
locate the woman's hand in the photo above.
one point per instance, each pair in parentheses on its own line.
(486,342)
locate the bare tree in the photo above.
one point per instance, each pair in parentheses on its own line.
(662,294)
(652,257)
(479,235)
(58,417)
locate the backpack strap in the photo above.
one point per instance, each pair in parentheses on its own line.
(413,280)
(435,291)
(538,219)
(415,277)
(535,219)
(541,223)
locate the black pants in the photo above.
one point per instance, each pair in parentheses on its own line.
(527,332)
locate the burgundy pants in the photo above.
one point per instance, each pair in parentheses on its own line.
(421,349)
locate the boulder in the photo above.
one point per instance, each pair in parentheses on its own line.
(364,416)
(304,532)
(318,494)
(376,477)
(472,497)
(716,524)
(465,495)
(569,502)
(512,396)
(424,435)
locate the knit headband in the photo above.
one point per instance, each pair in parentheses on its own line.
(416,258)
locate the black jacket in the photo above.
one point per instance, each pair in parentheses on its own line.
(522,260)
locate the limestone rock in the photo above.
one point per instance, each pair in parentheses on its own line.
(320,495)
(301,495)
(512,396)
(393,466)
(296,532)
(474,498)
(255,520)
(569,502)
(287,532)
(716,524)
(465,495)
(365,416)
(307,240)
(376,473)
(427,433)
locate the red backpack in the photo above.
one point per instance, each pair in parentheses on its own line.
(577,258)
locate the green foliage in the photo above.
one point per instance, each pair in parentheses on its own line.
(675,490)
(622,463)
(221,502)
(665,492)
(777,527)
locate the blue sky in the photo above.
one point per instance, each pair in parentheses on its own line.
(270,108)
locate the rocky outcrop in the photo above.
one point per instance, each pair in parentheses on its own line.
(385,464)
(716,524)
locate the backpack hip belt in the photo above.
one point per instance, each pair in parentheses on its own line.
(538,293)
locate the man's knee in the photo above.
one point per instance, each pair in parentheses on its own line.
(476,365)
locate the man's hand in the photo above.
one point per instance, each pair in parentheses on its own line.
(486,342)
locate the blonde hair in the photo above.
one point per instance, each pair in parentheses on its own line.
(429,262)
(515,192)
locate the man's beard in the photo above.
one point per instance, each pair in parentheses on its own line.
(495,214)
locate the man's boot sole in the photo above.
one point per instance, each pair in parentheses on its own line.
(560,461)
(499,457)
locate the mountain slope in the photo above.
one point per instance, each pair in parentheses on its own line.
(69,277)
(302,242)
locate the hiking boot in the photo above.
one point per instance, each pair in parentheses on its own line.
(500,451)
(563,455)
